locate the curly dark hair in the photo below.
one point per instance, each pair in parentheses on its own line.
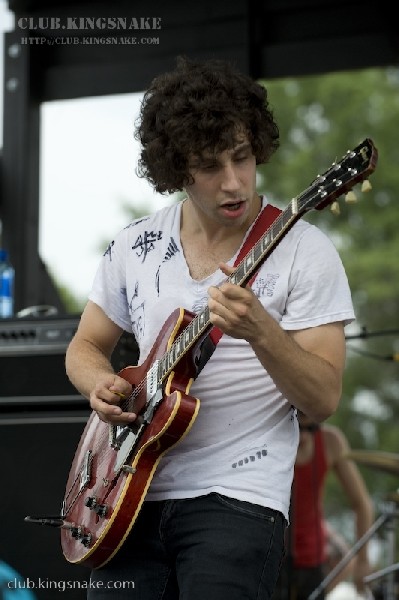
(200,107)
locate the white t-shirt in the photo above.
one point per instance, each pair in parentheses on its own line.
(244,440)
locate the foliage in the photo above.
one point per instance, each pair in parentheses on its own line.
(72,304)
(320,119)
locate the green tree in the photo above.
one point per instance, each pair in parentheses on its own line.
(320,119)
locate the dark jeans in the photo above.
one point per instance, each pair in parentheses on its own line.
(299,584)
(206,548)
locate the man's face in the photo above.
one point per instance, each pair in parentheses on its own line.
(224,188)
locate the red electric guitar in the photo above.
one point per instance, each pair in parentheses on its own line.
(114,465)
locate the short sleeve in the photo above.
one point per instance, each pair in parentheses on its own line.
(319,291)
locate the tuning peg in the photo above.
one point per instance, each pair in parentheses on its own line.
(335,208)
(350,197)
(366,186)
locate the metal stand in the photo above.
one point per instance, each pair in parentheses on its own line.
(389,512)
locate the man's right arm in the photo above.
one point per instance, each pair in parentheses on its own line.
(89,368)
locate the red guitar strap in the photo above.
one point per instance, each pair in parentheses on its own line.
(265,218)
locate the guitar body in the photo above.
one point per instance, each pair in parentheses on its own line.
(107,484)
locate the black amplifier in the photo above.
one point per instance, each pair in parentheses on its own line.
(42,418)
(32,365)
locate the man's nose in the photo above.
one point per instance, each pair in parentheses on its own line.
(230,180)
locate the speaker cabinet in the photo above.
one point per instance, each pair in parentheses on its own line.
(32,353)
(36,457)
(42,418)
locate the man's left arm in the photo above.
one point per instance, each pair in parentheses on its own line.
(306,365)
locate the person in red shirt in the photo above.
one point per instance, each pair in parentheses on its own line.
(313,548)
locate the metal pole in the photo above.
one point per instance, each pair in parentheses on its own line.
(349,555)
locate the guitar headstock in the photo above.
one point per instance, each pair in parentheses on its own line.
(354,167)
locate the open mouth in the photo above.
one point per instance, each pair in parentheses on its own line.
(233,206)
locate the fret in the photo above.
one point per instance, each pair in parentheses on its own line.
(200,322)
(194,326)
(200,318)
(287,216)
(301,202)
(257,251)
(265,241)
(276,228)
(249,262)
(234,278)
(239,274)
(162,367)
(173,353)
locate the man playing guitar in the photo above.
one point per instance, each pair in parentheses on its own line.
(212,520)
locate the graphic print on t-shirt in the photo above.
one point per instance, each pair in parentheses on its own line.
(264,286)
(145,243)
(171,251)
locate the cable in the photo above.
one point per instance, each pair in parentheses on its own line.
(388,357)
(366,334)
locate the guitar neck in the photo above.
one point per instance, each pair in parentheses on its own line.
(200,326)
(354,167)
(265,245)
